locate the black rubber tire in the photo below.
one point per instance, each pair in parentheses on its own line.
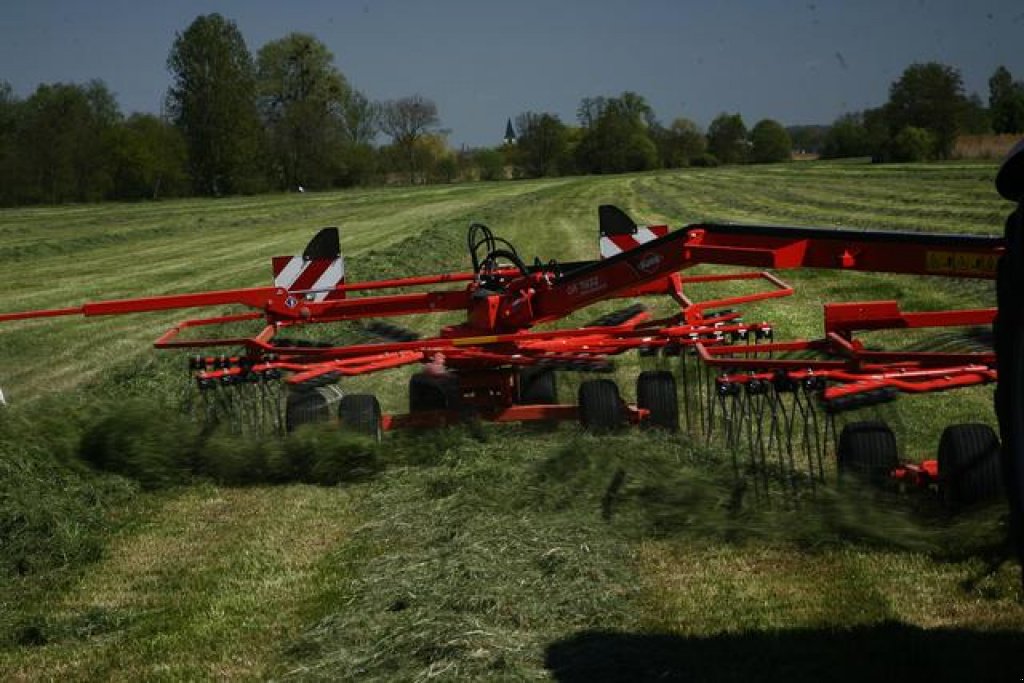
(600,408)
(305,407)
(433,392)
(969,467)
(361,413)
(867,451)
(656,392)
(537,386)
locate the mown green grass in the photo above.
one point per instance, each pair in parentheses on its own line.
(501,552)
(208,583)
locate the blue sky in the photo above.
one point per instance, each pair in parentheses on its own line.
(482,62)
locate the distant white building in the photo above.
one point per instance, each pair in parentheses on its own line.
(510,133)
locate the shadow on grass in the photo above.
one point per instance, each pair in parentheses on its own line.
(888,651)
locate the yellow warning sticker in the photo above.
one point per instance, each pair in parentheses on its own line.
(960,263)
(473,341)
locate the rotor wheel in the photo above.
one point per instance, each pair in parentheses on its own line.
(867,451)
(306,406)
(969,467)
(537,386)
(433,392)
(600,408)
(656,392)
(361,413)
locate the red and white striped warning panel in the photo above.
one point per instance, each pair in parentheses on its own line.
(616,244)
(315,278)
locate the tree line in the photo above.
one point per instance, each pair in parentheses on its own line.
(288,119)
(621,134)
(927,110)
(233,123)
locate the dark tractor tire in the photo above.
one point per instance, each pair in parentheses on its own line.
(656,392)
(306,406)
(433,392)
(600,408)
(537,386)
(361,413)
(867,451)
(969,467)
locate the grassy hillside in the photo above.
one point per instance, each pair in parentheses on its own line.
(494,552)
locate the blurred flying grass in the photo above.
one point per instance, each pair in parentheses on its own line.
(503,545)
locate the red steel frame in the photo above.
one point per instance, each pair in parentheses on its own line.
(498,336)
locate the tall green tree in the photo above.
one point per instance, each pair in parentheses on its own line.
(543,144)
(590,110)
(847,138)
(10,121)
(679,144)
(149,159)
(360,122)
(634,107)
(1006,102)
(490,163)
(212,100)
(64,143)
(912,144)
(876,126)
(769,142)
(976,119)
(301,96)
(931,97)
(619,141)
(408,120)
(360,118)
(727,139)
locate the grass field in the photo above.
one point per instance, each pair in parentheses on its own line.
(500,552)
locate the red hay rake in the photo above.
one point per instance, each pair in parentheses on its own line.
(774,402)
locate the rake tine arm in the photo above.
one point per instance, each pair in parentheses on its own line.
(256,297)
